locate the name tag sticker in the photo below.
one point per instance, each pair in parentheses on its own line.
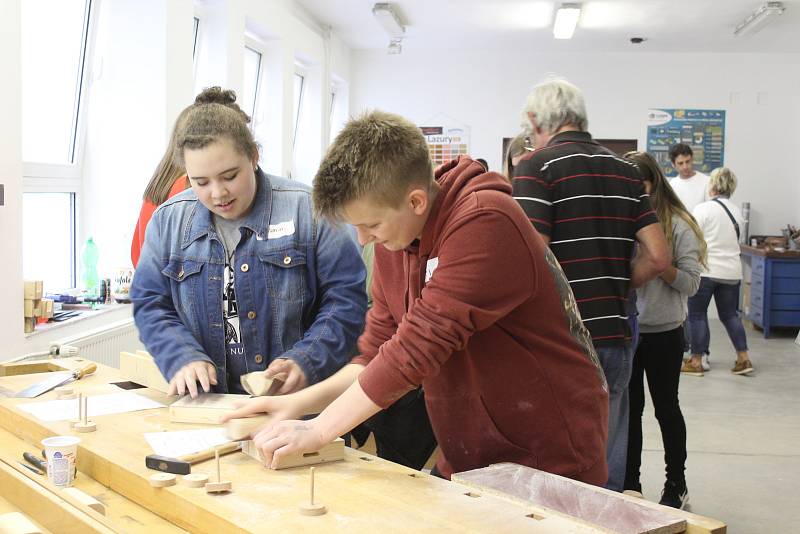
(431,266)
(279,230)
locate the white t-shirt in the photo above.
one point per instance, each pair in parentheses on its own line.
(720,234)
(692,191)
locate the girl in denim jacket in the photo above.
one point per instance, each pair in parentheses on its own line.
(237,276)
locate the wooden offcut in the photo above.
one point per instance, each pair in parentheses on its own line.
(258,385)
(140,367)
(332,452)
(244,427)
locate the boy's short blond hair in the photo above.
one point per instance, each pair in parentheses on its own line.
(378,154)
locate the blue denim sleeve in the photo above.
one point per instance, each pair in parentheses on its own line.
(166,337)
(330,341)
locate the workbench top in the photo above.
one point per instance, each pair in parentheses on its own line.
(363,493)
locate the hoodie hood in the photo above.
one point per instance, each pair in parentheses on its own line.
(458,180)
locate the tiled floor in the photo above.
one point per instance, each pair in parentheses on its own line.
(743,437)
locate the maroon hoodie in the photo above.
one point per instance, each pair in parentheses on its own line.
(480,314)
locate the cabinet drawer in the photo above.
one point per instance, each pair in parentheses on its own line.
(786,269)
(756,315)
(756,287)
(785,302)
(785,318)
(757,299)
(786,286)
(757,266)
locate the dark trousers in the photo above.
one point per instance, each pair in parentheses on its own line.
(403,432)
(659,356)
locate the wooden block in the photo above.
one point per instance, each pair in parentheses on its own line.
(17,523)
(46,308)
(142,369)
(258,385)
(194,480)
(30,305)
(242,429)
(86,499)
(33,289)
(162,480)
(30,324)
(207,408)
(331,452)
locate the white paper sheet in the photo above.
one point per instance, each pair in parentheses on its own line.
(66,410)
(174,444)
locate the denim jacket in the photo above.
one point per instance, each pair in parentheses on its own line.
(299,286)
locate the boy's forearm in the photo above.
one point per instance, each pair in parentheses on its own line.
(316,398)
(346,412)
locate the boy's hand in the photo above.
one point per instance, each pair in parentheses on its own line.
(288,437)
(189,375)
(279,407)
(286,370)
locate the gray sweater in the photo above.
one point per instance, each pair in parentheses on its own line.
(662,306)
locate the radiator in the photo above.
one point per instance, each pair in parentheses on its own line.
(104,344)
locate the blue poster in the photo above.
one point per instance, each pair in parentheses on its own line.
(701,129)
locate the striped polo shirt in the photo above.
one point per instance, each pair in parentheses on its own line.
(591,203)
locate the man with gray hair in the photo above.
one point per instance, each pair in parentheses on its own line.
(590,206)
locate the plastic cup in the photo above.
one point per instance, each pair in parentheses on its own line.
(61,452)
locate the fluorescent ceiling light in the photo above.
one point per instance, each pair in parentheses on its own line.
(759,18)
(566,21)
(388,18)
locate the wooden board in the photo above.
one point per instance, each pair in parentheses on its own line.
(206,408)
(142,369)
(243,428)
(332,452)
(363,493)
(593,505)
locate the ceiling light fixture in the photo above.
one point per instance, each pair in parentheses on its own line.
(387,16)
(566,20)
(759,18)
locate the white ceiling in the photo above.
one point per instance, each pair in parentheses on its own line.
(605,25)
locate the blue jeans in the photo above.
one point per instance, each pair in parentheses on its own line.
(727,298)
(617,365)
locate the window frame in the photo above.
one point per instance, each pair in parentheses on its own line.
(300,71)
(255,46)
(67,177)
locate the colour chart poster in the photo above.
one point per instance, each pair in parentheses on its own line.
(701,129)
(446,137)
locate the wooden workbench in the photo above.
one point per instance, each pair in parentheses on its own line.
(363,493)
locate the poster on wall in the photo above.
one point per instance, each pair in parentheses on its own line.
(446,138)
(701,129)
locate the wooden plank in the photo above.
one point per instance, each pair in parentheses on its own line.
(363,493)
(243,428)
(142,369)
(332,452)
(597,506)
(206,408)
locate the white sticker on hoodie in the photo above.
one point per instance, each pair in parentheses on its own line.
(279,230)
(431,266)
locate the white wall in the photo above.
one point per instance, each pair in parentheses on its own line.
(486,90)
(11,288)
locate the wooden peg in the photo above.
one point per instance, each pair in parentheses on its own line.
(220,486)
(311,508)
(162,480)
(85,425)
(79,419)
(194,480)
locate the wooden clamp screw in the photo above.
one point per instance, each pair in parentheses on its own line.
(220,486)
(310,508)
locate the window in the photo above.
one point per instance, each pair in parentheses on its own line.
(299,81)
(48,249)
(53,54)
(252,76)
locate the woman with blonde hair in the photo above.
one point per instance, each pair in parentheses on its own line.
(720,220)
(659,353)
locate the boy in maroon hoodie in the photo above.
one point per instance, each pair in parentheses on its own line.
(468,302)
